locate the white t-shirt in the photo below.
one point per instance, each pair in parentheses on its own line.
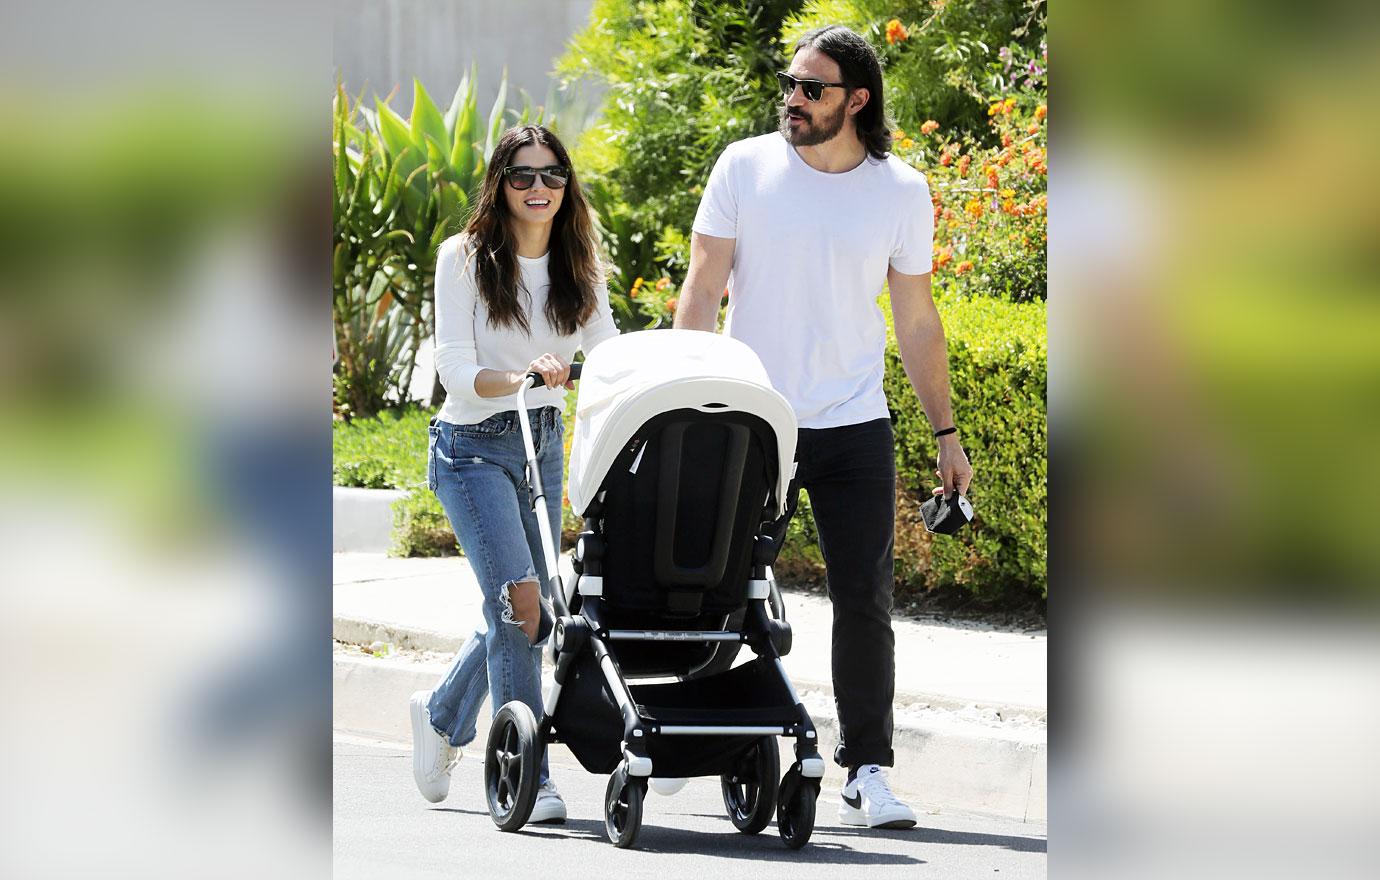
(811,257)
(466,344)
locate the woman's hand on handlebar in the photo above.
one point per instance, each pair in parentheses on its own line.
(553,371)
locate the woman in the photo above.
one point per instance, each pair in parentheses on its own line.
(521,290)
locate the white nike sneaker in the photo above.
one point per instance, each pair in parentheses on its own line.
(868,800)
(667,786)
(549,807)
(432,754)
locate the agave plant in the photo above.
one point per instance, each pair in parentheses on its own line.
(401,187)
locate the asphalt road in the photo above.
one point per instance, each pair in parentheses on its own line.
(385,830)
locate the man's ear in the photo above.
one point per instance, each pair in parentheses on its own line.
(857,99)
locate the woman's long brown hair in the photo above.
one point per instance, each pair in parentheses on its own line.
(573,265)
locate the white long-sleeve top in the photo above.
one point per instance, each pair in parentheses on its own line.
(466,343)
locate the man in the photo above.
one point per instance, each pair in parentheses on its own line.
(810,221)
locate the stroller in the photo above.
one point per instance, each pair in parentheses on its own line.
(680,462)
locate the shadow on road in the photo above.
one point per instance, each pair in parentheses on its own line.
(733,845)
(953,838)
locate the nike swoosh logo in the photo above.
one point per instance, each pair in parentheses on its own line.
(855,801)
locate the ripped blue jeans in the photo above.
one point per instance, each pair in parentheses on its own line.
(478,473)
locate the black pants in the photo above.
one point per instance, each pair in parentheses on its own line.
(850,473)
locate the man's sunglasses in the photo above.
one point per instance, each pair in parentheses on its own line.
(523,176)
(813,88)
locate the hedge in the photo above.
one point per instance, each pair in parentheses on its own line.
(389,451)
(997,370)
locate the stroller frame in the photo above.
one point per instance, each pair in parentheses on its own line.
(516,741)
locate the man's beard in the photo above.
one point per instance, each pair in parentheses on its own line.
(811,132)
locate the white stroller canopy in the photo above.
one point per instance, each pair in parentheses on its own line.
(629,379)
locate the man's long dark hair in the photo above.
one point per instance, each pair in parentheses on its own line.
(573,264)
(859,68)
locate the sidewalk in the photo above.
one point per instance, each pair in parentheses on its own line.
(970,708)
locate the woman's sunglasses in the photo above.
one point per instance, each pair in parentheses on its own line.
(813,88)
(523,176)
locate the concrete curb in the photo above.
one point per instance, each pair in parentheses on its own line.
(362,519)
(940,764)
(359,631)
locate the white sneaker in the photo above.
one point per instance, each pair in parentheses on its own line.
(868,800)
(668,786)
(549,807)
(432,754)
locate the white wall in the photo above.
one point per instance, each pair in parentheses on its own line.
(383,43)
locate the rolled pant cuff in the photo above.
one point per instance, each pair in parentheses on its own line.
(857,757)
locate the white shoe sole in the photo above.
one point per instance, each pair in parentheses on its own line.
(857,818)
(548,811)
(435,792)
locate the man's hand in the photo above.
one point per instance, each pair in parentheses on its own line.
(952,467)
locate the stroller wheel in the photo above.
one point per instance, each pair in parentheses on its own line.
(795,808)
(512,763)
(750,790)
(623,807)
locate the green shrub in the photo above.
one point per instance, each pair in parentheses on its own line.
(997,369)
(387,451)
(420,526)
(997,366)
(800,559)
(683,80)
(936,58)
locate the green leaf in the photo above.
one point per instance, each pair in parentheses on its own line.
(457,104)
(392,128)
(495,129)
(427,121)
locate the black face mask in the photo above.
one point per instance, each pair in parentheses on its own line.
(944,516)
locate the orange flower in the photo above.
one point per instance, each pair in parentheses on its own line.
(1033,129)
(992,180)
(1009,105)
(929,127)
(963,164)
(965,266)
(974,207)
(945,254)
(1041,111)
(897,135)
(671,303)
(945,158)
(663,283)
(948,214)
(994,109)
(1006,140)
(637,285)
(896,32)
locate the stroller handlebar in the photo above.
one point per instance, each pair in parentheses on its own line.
(534,378)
